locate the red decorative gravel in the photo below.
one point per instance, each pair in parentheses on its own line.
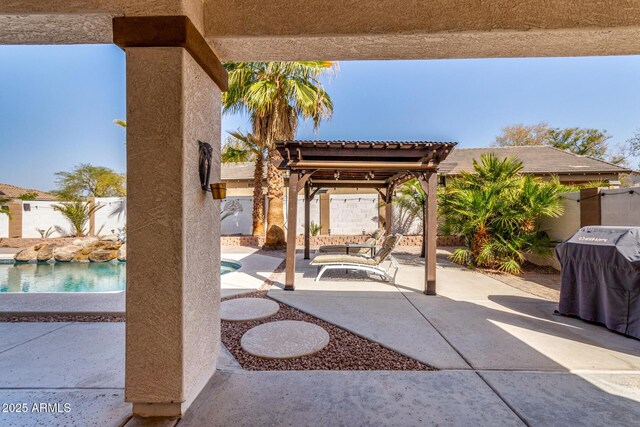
(345,352)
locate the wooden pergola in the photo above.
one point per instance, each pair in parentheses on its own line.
(380,165)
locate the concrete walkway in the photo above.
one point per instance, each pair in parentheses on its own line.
(505,359)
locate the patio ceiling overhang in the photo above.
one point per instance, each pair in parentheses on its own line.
(381,165)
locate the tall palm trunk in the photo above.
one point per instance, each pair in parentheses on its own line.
(258,197)
(275,213)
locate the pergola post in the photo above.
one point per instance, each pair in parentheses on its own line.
(388,215)
(307,219)
(292,217)
(428,185)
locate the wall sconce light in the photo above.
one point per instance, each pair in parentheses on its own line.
(218,189)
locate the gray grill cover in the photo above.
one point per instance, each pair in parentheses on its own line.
(601,277)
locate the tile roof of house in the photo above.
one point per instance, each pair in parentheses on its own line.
(238,171)
(9,191)
(535,159)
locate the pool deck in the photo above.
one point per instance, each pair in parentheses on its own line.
(504,359)
(254,270)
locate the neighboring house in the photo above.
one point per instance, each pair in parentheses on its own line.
(8,191)
(11,225)
(540,161)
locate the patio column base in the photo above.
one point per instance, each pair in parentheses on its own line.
(147,410)
(431,288)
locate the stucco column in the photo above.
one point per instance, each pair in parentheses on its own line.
(173,245)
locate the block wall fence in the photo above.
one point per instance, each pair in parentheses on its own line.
(350,214)
(27,217)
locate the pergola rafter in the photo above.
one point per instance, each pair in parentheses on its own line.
(379,165)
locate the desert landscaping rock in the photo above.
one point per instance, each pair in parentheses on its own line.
(66,253)
(286,339)
(28,254)
(45,253)
(244,309)
(103,255)
(84,254)
(86,241)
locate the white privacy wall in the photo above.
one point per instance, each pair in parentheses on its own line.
(566,225)
(42,215)
(620,207)
(314,211)
(111,216)
(352,213)
(240,222)
(4,225)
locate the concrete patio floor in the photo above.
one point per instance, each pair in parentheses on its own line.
(504,359)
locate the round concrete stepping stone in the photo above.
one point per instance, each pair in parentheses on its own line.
(244,309)
(284,339)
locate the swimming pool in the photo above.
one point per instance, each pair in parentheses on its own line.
(72,277)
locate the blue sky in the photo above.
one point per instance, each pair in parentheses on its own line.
(57,103)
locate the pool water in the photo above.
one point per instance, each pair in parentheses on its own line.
(72,277)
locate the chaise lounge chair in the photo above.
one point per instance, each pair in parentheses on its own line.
(368,247)
(357,262)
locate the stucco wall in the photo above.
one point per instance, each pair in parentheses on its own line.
(620,207)
(240,222)
(314,211)
(565,226)
(111,216)
(4,225)
(42,215)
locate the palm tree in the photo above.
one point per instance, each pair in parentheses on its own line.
(411,200)
(277,95)
(244,148)
(78,214)
(495,209)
